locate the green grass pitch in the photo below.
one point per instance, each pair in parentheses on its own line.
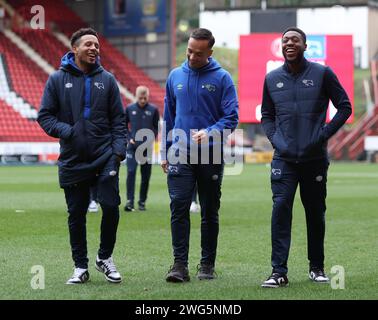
(33,231)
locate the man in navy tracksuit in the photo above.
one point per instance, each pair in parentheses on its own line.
(81,106)
(294,109)
(142,118)
(200,100)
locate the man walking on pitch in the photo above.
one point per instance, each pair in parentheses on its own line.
(294,109)
(81,106)
(140,115)
(200,101)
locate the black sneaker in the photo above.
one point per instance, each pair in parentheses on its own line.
(318,275)
(178,273)
(206,272)
(129,206)
(108,268)
(141,206)
(276,280)
(79,276)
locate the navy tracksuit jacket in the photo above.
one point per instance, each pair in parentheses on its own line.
(138,118)
(294,110)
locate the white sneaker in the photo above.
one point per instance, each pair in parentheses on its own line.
(276,280)
(79,276)
(108,268)
(93,206)
(318,275)
(194,207)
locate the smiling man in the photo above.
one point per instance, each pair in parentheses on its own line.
(81,106)
(294,109)
(200,100)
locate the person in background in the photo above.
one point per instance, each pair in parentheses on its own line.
(139,115)
(194,206)
(93,203)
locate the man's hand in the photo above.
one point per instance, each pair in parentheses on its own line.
(132,141)
(164,165)
(200,137)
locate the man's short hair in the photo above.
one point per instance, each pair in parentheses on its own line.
(142,90)
(82,32)
(296,30)
(203,34)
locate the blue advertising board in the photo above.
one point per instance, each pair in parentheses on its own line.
(316,47)
(134,17)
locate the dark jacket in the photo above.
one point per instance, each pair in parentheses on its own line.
(85,112)
(141,118)
(294,110)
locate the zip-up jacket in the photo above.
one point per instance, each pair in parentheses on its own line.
(199,99)
(141,118)
(85,112)
(294,110)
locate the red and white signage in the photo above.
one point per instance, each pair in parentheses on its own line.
(261,52)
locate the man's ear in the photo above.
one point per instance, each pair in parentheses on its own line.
(305,47)
(210,53)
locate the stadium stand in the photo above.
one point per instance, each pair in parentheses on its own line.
(62,18)
(24,76)
(15,128)
(21,86)
(22,81)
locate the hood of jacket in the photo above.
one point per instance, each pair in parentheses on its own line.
(211,66)
(193,77)
(67,63)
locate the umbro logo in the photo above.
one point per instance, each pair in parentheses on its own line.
(180,86)
(68,85)
(279,85)
(276,171)
(99,85)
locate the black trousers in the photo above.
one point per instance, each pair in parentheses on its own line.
(312,180)
(77,199)
(182,179)
(145,170)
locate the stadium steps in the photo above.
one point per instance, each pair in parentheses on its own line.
(25,77)
(333,143)
(29,51)
(17,103)
(351,145)
(356,150)
(45,43)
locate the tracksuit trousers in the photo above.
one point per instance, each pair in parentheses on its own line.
(77,199)
(182,179)
(145,170)
(312,179)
